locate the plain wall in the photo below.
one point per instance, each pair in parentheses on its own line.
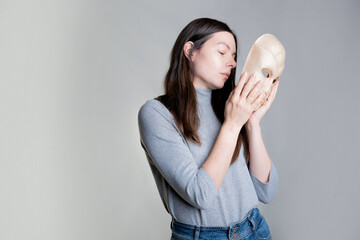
(75,73)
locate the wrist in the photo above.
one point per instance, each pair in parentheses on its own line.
(251,126)
(231,127)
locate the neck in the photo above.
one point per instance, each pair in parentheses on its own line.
(203,96)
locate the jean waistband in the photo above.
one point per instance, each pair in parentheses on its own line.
(251,220)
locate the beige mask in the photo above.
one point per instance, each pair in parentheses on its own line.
(266,56)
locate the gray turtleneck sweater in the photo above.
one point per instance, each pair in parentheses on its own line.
(186,189)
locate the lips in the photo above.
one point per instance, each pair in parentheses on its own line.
(225,74)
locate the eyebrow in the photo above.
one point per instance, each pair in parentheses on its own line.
(234,53)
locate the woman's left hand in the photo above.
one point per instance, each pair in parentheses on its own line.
(257,115)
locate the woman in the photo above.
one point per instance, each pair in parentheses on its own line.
(203,140)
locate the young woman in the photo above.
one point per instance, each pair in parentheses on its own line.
(203,141)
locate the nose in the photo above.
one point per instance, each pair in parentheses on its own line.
(231,63)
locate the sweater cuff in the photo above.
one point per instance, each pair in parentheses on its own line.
(266,191)
(206,180)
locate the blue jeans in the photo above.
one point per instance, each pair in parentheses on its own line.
(253,226)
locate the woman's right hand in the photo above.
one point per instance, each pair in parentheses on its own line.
(242,101)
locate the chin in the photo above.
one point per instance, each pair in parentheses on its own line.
(219,85)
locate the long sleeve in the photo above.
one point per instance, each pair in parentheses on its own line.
(166,148)
(266,191)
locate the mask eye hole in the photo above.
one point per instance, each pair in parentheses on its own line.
(275,80)
(266,72)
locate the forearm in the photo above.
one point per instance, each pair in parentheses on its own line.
(260,162)
(220,156)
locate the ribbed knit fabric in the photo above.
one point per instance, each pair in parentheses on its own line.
(186,189)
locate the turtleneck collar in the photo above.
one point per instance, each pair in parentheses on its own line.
(203,96)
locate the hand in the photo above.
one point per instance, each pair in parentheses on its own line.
(257,115)
(242,101)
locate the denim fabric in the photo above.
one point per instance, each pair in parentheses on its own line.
(254,226)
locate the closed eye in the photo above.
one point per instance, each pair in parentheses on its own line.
(224,53)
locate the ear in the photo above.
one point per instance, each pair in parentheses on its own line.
(187,48)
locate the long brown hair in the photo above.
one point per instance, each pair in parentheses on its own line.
(180,94)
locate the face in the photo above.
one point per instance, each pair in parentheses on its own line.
(213,61)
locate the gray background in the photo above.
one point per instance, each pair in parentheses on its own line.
(75,73)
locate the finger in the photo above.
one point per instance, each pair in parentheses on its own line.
(266,104)
(273,92)
(239,86)
(248,86)
(258,100)
(255,92)
(230,95)
(277,85)
(271,96)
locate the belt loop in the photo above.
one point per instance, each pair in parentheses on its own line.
(171,224)
(252,223)
(197,233)
(250,218)
(229,231)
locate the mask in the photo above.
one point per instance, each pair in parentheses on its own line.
(266,58)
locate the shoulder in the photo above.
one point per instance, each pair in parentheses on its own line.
(155,119)
(154,109)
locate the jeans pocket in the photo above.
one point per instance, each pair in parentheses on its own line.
(262,231)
